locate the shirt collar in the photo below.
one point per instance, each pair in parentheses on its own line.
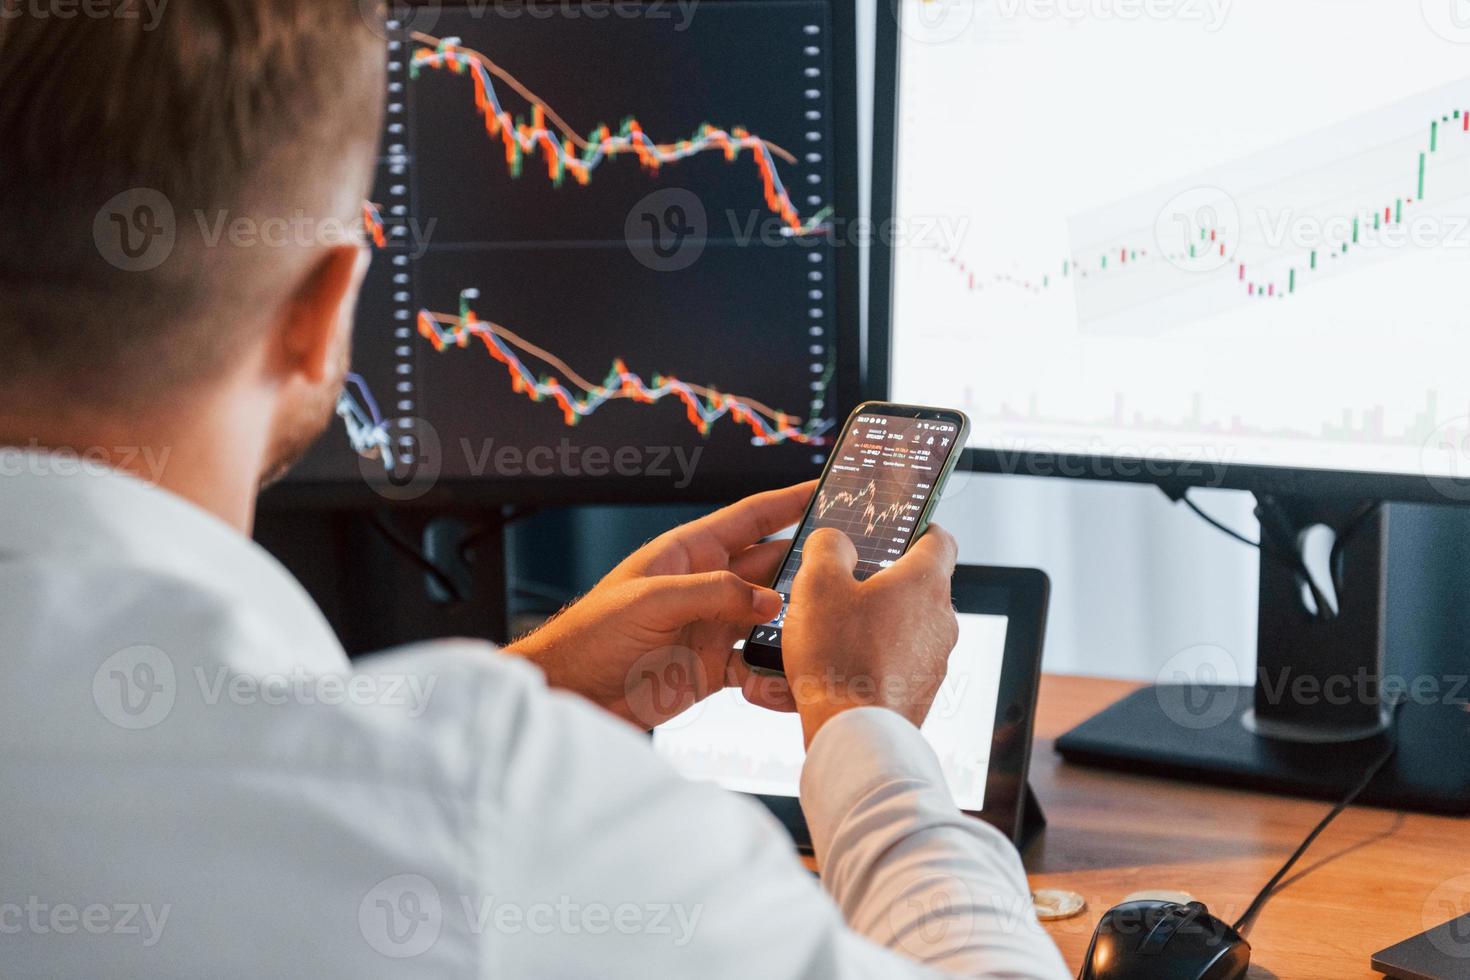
(58,506)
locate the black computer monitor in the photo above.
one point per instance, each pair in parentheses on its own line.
(609,261)
(1200,244)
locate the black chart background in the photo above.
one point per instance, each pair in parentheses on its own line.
(553,264)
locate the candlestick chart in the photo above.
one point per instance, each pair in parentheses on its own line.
(522,293)
(1245,267)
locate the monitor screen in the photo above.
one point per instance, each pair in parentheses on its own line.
(603,251)
(727,740)
(1232,232)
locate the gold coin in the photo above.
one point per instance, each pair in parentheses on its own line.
(1161,895)
(1056,903)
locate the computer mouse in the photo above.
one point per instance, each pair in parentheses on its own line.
(1164,941)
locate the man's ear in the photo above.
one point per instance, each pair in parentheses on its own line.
(320,312)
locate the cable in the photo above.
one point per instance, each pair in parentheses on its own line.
(1184,498)
(1283,554)
(1265,893)
(418,558)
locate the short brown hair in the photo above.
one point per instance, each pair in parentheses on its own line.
(221,108)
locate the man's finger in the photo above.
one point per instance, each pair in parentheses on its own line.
(743,524)
(767,691)
(758,563)
(827,554)
(668,602)
(935,553)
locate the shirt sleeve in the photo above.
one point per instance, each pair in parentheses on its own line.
(907,868)
(610,864)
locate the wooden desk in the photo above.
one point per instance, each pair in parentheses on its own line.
(1373,878)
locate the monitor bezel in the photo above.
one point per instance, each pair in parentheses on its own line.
(850,384)
(1174,476)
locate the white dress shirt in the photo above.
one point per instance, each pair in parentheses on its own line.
(194,781)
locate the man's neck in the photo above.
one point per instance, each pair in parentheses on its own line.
(206,457)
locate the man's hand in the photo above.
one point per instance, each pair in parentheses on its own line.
(885,641)
(657,634)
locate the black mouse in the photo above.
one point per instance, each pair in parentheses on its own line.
(1164,941)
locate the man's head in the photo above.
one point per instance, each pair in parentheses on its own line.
(180,189)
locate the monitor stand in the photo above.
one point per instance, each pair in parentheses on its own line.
(1316,716)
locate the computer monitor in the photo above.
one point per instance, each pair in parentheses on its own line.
(1197,243)
(607,261)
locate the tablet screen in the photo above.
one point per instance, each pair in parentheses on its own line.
(726,740)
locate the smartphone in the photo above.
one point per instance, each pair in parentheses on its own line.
(879,487)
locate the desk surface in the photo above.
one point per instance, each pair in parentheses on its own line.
(1373,878)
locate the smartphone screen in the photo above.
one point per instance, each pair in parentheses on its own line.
(879,487)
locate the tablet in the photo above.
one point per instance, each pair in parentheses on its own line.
(980,725)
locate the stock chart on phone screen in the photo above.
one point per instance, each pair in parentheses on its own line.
(882,474)
(1234,231)
(602,240)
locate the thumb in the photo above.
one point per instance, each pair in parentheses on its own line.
(828,555)
(675,601)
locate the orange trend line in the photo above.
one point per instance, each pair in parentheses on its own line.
(568,133)
(511,337)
